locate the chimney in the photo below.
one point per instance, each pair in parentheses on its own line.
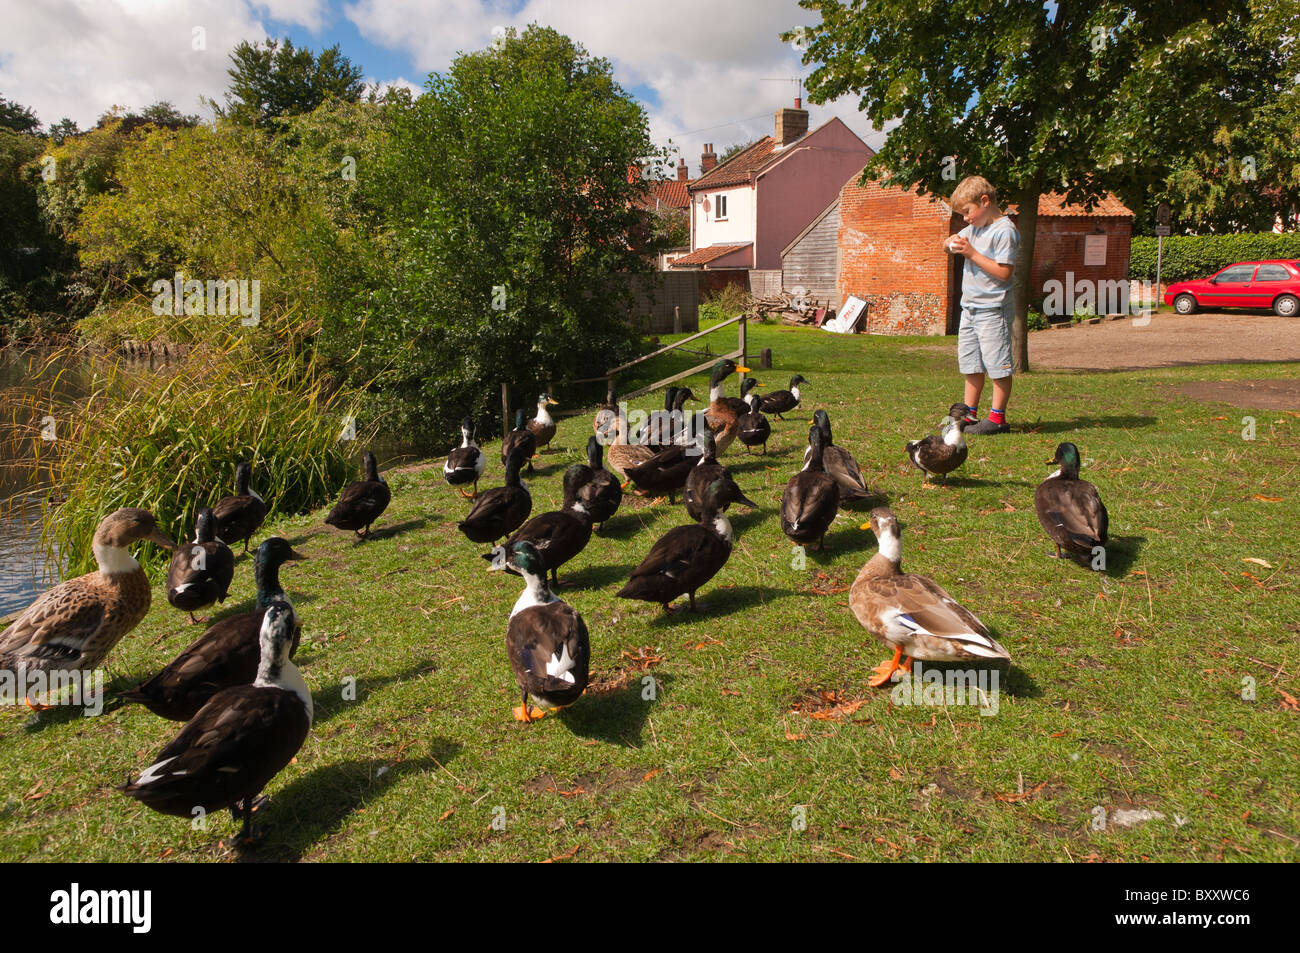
(791,124)
(709,159)
(682,173)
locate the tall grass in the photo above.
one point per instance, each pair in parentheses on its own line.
(169,439)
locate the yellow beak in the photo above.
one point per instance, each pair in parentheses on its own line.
(741,370)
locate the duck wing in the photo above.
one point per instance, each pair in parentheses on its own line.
(549,649)
(914,613)
(56,627)
(839,463)
(1072,513)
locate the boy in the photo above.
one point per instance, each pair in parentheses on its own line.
(988,243)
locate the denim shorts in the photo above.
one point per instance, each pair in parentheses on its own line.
(984,342)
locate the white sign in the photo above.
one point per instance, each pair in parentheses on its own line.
(1094,250)
(1164,231)
(844,322)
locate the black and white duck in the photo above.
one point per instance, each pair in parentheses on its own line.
(911,614)
(227,653)
(546,640)
(780,402)
(521,437)
(705,472)
(363,501)
(200,571)
(559,535)
(724,413)
(754,428)
(237,742)
(811,498)
(501,510)
(600,492)
(938,456)
(241,515)
(686,557)
(839,463)
(466,463)
(542,426)
(1071,509)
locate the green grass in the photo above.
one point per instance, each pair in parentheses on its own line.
(1124,690)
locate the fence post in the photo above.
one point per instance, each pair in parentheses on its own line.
(744,320)
(505,408)
(677,319)
(609,390)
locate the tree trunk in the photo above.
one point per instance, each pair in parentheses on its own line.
(1022,281)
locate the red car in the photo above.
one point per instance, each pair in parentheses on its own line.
(1247,284)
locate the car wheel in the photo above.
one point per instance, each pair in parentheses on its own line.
(1185,304)
(1286,306)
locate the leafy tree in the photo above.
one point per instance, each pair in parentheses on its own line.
(61,130)
(277,79)
(1035,97)
(18,118)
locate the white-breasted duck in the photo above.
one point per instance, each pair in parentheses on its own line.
(939,456)
(811,498)
(912,614)
(780,402)
(467,462)
(542,426)
(1070,509)
(363,501)
(201,570)
(754,428)
(724,413)
(241,739)
(501,510)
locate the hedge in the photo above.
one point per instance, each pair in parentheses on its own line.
(1188,257)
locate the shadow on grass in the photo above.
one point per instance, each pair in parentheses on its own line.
(622,525)
(715,603)
(1111,422)
(1011,679)
(315,805)
(595,577)
(617,717)
(388,532)
(329,701)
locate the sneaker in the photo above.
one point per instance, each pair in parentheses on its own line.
(987,426)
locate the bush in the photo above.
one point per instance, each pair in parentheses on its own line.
(727,302)
(1188,257)
(1036,321)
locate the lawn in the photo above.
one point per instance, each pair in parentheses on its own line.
(747,731)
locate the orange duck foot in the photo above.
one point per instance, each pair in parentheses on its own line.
(885,670)
(529,714)
(37,707)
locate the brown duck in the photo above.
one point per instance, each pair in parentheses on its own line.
(241,515)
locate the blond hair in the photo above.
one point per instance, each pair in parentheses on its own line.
(969,191)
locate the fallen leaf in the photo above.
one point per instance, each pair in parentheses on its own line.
(728,691)
(1288,701)
(650,774)
(1258,562)
(896,774)
(789,736)
(1268,499)
(447,813)
(565,856)
(1013,798)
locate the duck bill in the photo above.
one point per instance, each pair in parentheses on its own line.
(295,556)
(552,403)
(162,539)
(742,498)
(741,370)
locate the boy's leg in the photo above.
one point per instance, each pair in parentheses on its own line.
(970,360)
(1001,392)
(974,388)
(994,333)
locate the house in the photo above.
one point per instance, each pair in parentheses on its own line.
(670,197)
(888,251)
(744,211)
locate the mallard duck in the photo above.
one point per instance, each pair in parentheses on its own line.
(72,626)
(911,614)
(723,415)
(686,557)
(811,498)
(623,455)
(240,516)
(706,471)
(753,428)
(780,402)
(501,510)
(228,653)
(242,738)
(546,639)
(522,438)
(600,491)
(466,463)
(838,462)
(200,571)
(559,535)
(1071,509)
(542,427)
(363,501)
(945,453)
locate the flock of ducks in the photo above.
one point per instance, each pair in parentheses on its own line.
(246,707)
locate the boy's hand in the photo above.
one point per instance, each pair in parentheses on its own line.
(960,246)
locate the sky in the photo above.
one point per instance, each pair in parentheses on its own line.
(705,73)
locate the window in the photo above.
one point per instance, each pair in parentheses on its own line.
(1272,273)
(1235,273)
(720,207)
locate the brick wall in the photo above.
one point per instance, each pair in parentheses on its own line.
(891,255)
(1060,245)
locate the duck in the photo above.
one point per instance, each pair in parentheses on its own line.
(624,455)
(665,473)
(522,438)
(657,432)
(542,427)
(780,402)
(546,640)
(754,428)
(600,491)
(1071,509)
(237,742)
(811,498)
(501,510)
(241,515)
(706,471)
(912,614)
(228,652)
(723,415)
(466,463)
(559,535)
(942,454)
(686,557)
(200,572)
(363,501)
(74,625)
(839,463)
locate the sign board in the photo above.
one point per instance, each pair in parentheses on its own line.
(847,319)
(1163,231)
(1094,250)
(1163,214)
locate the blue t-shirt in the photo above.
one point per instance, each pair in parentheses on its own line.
(999,241)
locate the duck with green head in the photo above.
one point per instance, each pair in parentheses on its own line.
(1070,509)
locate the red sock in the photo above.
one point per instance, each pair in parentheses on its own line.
(997,416)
